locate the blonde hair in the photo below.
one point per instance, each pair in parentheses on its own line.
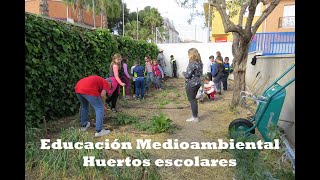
(194,55)
(114,57)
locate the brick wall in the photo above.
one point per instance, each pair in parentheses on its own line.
(32,6)
(58,9)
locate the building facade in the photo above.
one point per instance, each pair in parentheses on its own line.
(59,10)
(282,19)
(172,35)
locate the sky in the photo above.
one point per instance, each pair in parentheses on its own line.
(179,16)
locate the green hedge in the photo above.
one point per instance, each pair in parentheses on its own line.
(58,55)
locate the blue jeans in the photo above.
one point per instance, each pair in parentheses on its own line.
(97,104)
(149,79)
(217,83)
(157,82)
(140,87)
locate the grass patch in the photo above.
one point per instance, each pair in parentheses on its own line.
(68,164)
(164,93)
(255,164)
(163,102)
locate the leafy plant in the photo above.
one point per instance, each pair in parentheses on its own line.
(158,124)
(57,55)
(122,119)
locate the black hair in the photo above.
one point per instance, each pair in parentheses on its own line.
(171,56)
(211,57)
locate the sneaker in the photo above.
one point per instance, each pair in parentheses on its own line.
(193,119)
(141,99)
(114,110)
(84,128)
(102,133)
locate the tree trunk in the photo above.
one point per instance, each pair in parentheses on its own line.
(240,53)
(80,15)
(105,22)
(44,8)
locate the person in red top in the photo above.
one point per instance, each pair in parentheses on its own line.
(92,90)
(158,73)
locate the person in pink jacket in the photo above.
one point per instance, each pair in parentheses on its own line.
(113,93)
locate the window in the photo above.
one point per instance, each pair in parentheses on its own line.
(289,10)
(288,20)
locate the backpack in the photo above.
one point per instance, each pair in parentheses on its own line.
(226,69)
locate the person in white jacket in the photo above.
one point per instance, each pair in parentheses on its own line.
(209,88)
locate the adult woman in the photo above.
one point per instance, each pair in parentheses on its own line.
(113,93)
(193,81)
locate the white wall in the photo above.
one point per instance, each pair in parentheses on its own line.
(180,52)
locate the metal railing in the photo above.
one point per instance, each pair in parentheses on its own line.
(287,22)
(273,43)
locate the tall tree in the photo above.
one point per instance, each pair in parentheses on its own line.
(242,36)
(77,5)
(44,7)
(110,9)
(152,19)
(131,31)
(116,24)
(93,7)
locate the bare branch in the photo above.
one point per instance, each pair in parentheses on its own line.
(264,15)
(264,2)
(242,11)
(252,11)
(186,3)
(228,25)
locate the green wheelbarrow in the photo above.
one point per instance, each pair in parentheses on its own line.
(269,105)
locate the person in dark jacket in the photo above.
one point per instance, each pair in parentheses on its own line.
(193,81)
(139,80)
(226,72)
(218,73)
(173,63)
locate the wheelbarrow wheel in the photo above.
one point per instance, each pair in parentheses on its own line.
(239,126)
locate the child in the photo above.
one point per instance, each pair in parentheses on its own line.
(134,75)
(158,73)
(173,63)
(125,77)
(148,71)
(114,71)
(209,88)
(226,72)
(139,70)
(217,73)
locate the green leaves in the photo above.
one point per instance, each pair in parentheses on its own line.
(58,55)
